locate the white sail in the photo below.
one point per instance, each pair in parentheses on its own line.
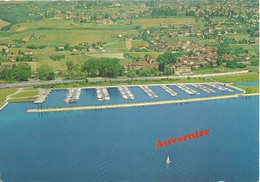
(168,160)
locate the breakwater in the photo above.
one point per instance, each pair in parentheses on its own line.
(130,104)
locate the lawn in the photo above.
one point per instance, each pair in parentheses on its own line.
(249,90)
(25,94)
(253,76)
(132,82)
(212,70)
(6,92)
(21,99)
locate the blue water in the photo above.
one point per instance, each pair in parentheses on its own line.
(248,84)
(119,144)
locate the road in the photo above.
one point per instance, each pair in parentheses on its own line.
(39,83)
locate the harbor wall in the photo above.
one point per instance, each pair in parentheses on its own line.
(131,104)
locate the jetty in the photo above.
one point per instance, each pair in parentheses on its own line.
(131,104)
(148,91)
(126,93)
(187,89)
(102,93)
(43,94)
(169,90)
(203,88)
(223,89)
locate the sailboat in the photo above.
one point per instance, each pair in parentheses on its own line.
(168,160)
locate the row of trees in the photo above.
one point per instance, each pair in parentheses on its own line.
(18,73)
(164,12)
(104,67)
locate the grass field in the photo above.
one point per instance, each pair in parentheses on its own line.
(6,92)
(21,100)
(25,94)
(3,23)
(249,90)
(212,70)
(133,82)
(155,22)
(238,78)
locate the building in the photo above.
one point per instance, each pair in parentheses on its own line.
(28,52)
(182,69)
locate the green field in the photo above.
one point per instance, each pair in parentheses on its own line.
(6,92)
(133,82)
(213,70)
(25,94)
(238,78)
(250,90)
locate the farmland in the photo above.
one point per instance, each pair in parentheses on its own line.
(135,33)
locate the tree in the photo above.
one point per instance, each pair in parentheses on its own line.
(167,58)
(167,71)
(22,72)
(131,73)
(70,65)
(45,72)
(105,67)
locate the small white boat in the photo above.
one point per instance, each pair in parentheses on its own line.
(168,160)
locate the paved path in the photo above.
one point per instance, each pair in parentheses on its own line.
(37,83)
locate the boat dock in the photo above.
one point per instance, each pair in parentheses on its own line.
(203,88)
(223,89)
(72,95)
(187,90)
(43,94)
(148,91)
(102,93)
(126,93)
(169,90)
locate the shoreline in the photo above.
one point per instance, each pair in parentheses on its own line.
(132,104)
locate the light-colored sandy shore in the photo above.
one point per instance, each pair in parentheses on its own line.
(132,104)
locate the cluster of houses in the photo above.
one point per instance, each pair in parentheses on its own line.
(201,56)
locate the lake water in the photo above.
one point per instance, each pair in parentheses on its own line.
(119,144)
(249,84)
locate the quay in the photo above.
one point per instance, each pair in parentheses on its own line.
(3,105)
(131,104)
(148,91)
(43,94)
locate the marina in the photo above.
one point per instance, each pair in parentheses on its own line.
(102,93)
(126,93)
(73,95)
(223,89)
(187,89)
(148,91)
(169,90)
(203,88)
(43,94)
